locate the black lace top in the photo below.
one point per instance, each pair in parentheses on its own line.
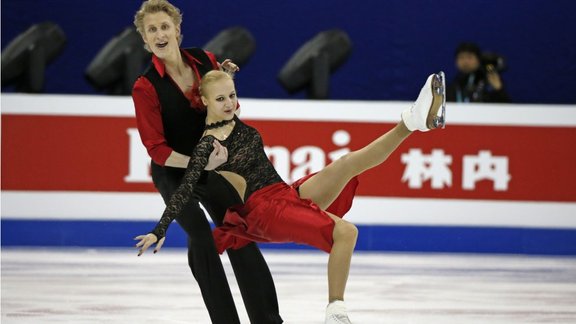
(246,157)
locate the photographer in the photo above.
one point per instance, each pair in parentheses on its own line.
(478,79)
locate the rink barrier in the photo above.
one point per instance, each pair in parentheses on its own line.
(498,179)
(454,239)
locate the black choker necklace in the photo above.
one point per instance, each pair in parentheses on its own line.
(218,124)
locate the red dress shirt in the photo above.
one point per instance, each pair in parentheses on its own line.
(148,109)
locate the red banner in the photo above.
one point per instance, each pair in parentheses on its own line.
(91,153)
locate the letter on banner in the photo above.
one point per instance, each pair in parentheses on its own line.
(307,159)
(421,168)
(280,158)
(485,166)
(340,138)
(139,161)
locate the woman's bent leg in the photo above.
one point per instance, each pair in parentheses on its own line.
(345,235)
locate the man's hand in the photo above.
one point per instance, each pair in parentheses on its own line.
(229,67)
(218,156)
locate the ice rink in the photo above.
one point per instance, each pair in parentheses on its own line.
(115,286)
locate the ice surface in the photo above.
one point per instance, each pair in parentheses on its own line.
(115,286)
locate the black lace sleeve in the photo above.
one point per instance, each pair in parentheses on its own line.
(182,195)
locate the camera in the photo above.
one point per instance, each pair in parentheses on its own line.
(492,61)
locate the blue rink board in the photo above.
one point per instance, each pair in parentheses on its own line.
(372,238)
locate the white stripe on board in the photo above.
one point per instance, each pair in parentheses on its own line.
(303,110)
(366,210)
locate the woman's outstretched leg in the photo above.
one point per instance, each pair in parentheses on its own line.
(324,187)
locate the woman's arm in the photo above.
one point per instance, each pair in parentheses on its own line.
(218,157)
(181,196)
(184,192)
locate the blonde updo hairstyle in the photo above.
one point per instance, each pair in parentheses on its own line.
(212,77)
(152,7)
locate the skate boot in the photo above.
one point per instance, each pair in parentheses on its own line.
(429,110)
(336,313)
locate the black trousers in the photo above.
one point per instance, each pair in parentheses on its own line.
(251,271)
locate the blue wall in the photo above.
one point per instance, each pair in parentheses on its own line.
(452,239)
(396,42)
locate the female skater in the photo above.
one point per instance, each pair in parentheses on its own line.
(170,118)
(274,211)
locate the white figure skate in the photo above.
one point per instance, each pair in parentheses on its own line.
(336,313)
(429,110)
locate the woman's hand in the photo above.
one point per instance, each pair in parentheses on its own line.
(146,241)
(229,67)
(218,156)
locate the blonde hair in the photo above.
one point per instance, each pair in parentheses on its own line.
(154,6)
(211,77)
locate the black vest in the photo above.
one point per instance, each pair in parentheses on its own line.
(183,125)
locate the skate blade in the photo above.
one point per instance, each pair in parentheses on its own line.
(436,120)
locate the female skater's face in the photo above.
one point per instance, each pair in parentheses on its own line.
(160,34)
(220,100)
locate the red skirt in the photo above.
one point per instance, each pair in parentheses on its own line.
(277,214)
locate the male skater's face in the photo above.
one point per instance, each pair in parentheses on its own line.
(160,34)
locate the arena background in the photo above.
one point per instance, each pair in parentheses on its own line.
(74,171)
(395,42)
